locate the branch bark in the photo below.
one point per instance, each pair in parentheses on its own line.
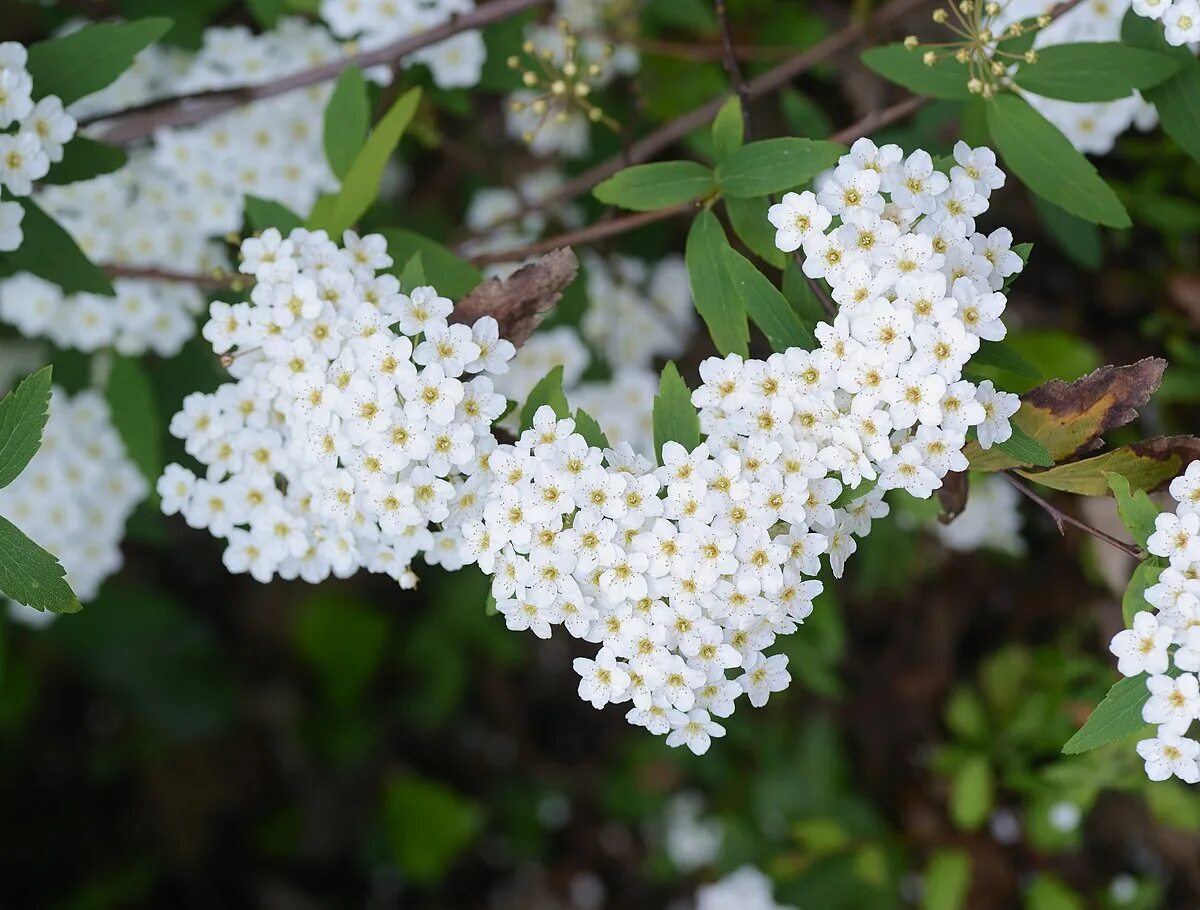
(1061,519)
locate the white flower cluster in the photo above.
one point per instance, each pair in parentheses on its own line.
(745,889)
(76,494)
(1094,126)
(691,570)
(1180,18)
(342,445)
(456,62)
(32,136)
(1170,635)
(164,208)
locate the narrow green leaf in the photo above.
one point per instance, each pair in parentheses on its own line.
(1001,355)
(712,290)
(360,186)
(1094,71)
(675,418)
(766,305)
(646,187)
(947,880)
(850,494)
(728,128)
(130,395)
(347,120)
(587,427)
(945,79)
(31,576)
(23,415)
(1079,239)
(413,275)
(1046,162)
(748,217)
(85,61)
(971,793)
(49,252)
(1177,100)
(452,275)
(1137,511)
(549,390)
(1133,601)
(1025,449)
(775,165)
(83,159)
(1117,716)
(266,213)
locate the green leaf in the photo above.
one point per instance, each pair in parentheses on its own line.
(83,159)
(1117,716)
(549,390)
(1093,71)
(1133,601)
(748,218)
(1147,465)
(766,305)
(1046,162)
(1137,512)
(130,395)
(1079,239)
(360,186)
(971,793)
(1178,98)
(1001,355)
(428,826)
(850,494)
(775,165)
(31,576)
(344,641)
(452,275)
(266,12)
(347,120)
(87,60)
(947,880)
(1025,449)
(712,290)
(1048,893)
(675,418)
(49,252)
(413,275)
(728,129)
(23,416)
(266,213)
(646,187)
(945,79)
(587,427)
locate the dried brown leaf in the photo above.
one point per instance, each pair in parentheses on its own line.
(952,495)
(521,301)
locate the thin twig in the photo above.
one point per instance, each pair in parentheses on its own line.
(709,52)
(188,110)
(733,68)
(213,281)
(1061,519)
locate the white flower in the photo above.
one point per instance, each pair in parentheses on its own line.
(796,218)
(1182,22)
(1170,755)
(695,730)
(1143,648)
(1173,702)
(11,215)
(1176,537)
(997,408)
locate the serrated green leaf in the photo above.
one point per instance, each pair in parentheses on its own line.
(728,129)
(748,217)
(49,252)
(360,186)
(775,165)
(766,305)
(1002,356)
(1117,716)
(712,289)
(548,391)
(85,61)
(587,427)
(660,185)
(130,395)
(347,120)
(445,270)
(31,576)
(1137,512)
(23,415)
(945,79)
(675,418)
(1042,158)
(266,213)
(83,159)
(1025,449)
(971,793)
(1093,71)
(1133,601)
(1177,99)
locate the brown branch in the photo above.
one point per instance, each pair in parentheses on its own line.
(217,280)
(701,53)
(732,66)
(187,110)
(1061,519)
(877,120)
